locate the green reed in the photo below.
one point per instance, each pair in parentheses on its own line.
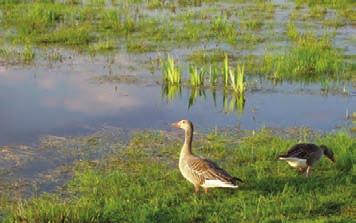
(226,70)
(197,76)
(171,73)
(237,77)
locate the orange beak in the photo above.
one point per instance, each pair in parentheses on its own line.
(175,125)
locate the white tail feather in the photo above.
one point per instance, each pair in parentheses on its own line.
(295,162)
(218,183)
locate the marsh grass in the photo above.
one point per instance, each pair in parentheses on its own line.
(197,76)
(142,183)
(103,46)
(309,58)
(24,55)
(95,27)
(213,74)
(226,70)
(292,31)
(237,79)
(223,29)
(171,73)
(203,57)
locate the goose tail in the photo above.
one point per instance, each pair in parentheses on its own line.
(236,179)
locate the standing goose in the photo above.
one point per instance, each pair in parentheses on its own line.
(199,171)
(305,155)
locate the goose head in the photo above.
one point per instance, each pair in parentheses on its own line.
(328,153)
(183,124)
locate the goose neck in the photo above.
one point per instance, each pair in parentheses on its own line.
(187,146)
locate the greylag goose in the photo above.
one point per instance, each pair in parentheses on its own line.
(201,172)
(305,155)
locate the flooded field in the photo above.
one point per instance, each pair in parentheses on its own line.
(76,98)
(90,87)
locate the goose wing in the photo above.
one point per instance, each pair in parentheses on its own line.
(302,150)
(205,170)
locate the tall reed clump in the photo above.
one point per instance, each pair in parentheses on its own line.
(237,79)
(171,73)
(196,76)
(234,78)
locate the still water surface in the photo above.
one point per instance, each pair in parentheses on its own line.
(66,99)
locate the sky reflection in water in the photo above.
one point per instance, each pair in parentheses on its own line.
(65,100)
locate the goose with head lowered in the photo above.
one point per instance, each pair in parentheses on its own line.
(201,172)
(304,156)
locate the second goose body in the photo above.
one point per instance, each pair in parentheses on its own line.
(305,155)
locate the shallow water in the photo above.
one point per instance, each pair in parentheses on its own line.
(65,99)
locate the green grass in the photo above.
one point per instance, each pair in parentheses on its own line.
(213,73)
(171,73)
(230,78)
(237,81)
(25,55)
(202,57)
(197,76)
(211,28)
(142,183)
(225,70)
(309,58)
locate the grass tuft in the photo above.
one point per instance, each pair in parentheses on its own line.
(237,82)
(197,76)
(171,73)
(309,58)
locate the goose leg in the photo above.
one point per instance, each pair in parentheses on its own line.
(206,190)
(301,169)
(196,187)
(307,173)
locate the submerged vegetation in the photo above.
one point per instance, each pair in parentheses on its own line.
(141,183)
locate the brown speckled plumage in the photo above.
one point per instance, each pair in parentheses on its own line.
(201,172)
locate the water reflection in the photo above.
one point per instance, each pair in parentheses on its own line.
(234,103)
(171,91)
(194,93)
(231,102)
(64,100)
